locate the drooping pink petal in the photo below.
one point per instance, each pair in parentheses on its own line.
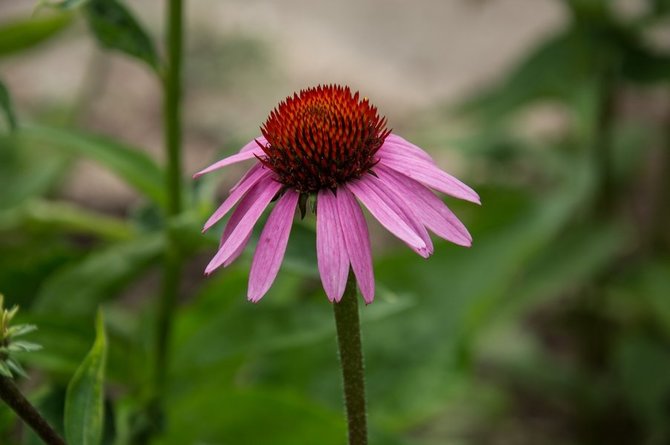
(232,222)
(235,255)
(391,198)
(239,191)
(429,208)
(241,209)
(397,144)
(331,250)
(357,241)
(254,144)
(268,188)
(385,213)
(238,157)
(272,246)
(254,168)
(429,175)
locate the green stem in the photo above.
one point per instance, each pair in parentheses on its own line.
(603,142)
(351,359)
(172,261)
(172,112)
(13,397)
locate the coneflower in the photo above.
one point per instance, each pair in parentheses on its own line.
(329,143)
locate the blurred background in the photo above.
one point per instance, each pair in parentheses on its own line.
(554,328)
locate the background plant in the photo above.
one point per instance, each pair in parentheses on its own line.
(553,328)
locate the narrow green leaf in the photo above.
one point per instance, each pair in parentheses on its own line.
(4,370)
(115,28)
(27,170)
(64,217)
(21,329)
(16,368)
(23,346)
(84,401)
(129,163)
(6,106)
(20,35)
(78,288)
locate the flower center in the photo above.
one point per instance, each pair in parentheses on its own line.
(322,137)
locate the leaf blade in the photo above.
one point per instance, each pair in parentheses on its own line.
(23,34)
(129,163)
(97,276)
(117,29)
(84,400)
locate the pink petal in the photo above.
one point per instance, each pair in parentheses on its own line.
(429,175)
(235,255)
(249,151)
(396,144)
(241,209)
(251,171)
(268,188)
(429,208)
(239,191)
(385,212)
(401,207)
(331,251)
(272,246)
(254,144)
(239,157)
(357,241)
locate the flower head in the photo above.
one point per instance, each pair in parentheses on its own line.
(331,143)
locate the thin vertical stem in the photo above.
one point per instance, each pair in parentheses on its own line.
(351,359)
(603,141)
(172,261)
(172,112)
(13,397)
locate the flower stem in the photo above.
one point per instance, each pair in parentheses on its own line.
(172,262)
(11,395)
(351,359)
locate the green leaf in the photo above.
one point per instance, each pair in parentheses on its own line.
(84,402)
(198,416)
(64,217)
(78,288)
(16,368)
(116,29)
(129,163)
(26,170)
(4,370)
(6,106)
(23,34)
(23,346)
(21,329)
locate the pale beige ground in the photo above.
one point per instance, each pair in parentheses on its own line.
(406,55)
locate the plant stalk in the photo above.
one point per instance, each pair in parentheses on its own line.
(13,397)
(172,84)
(603,143)
(351,359)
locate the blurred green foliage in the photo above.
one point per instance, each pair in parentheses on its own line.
(554,328)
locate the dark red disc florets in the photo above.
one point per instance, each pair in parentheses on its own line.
(322,137)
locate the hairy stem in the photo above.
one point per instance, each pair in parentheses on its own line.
(351,359)
(12,396)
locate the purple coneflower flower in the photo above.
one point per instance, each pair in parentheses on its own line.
(330,143)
